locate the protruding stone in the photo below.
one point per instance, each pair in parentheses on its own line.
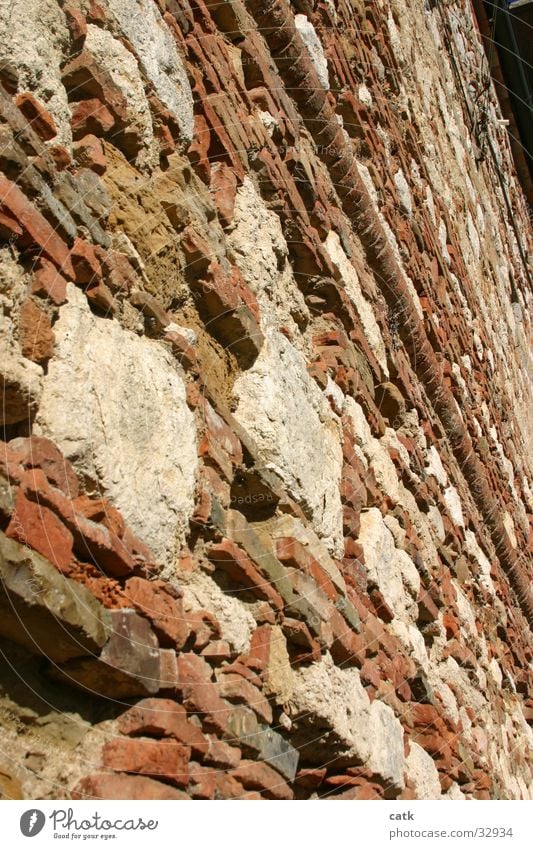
(44,611)
(128,665)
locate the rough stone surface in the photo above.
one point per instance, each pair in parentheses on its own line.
(107,436)
(296,434)
(141,23)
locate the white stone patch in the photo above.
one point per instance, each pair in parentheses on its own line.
(362,307)
(412,640)
(296,432)
(510,528)
(386,744)
(434,466)
(496,672)
(388,568)
(478,345)
(421,770)
(391,441)
(443,239)
(259,249)
(404,193)
(396,529)
(376,454)
(465,613)
(474,550)
(33,41)
(143,26)
(115,404)
(430,203)
(435,518)
(457,679)
(314,48)
(365,731)
(473,236)
(268,121)
(453,503)
(365,96)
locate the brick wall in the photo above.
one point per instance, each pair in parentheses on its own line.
(265,488)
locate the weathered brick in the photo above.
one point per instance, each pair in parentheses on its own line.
(105,785)
(38,527)
(37,115)
(163,758)
(259,776)
(164,612)
(163,718)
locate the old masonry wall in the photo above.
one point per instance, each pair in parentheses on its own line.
(265,478)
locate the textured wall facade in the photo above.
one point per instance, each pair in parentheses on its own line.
(265,483)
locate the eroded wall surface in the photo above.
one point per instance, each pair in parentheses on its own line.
(265,484)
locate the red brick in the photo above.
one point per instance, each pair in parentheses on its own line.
(362,792)
(101,511)
(119,274)
(164,612)
(204,627)
(61,156)
(221,754)
(37,116)
(199,149)
(77,27)
(9,227)
(218,651)
(301,645)
(36,526)
(240,569)
(163,758)
(385,613)
(427,609)
(451,626)
(105,785)
(347,647)
(91,117)
(36,228)
(36,334)
(40,452)
(89,153)
(237,690)
(202,781)
(163,718)
(91,540)
(310,779)
(199,694)
(228,788)
(168,665)
(259,652)
(259,776)
(49,283)
(85,262)
(293,554)
(224,188)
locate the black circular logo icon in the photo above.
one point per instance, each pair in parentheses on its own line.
(32,822)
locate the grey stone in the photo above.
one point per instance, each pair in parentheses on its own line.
(6,497)
(261,742)
(129,664)
(43,610)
